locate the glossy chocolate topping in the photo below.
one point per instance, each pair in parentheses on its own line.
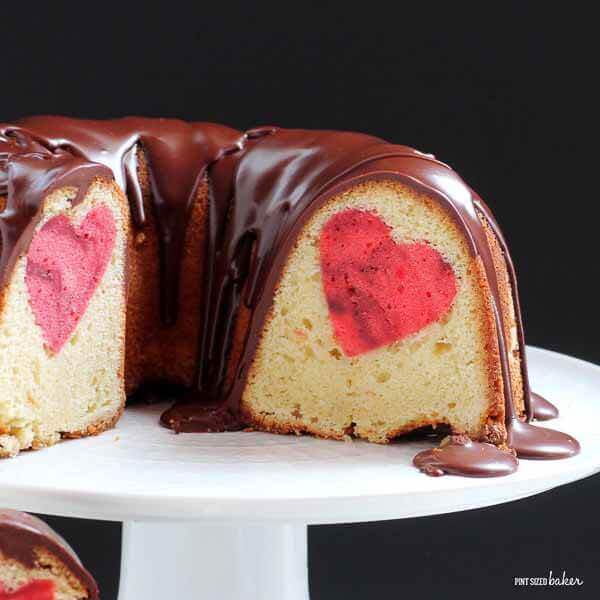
(532,442)
(21,534)
(28,173)
(177,155)
(263,186)
(459,455)
(541,409)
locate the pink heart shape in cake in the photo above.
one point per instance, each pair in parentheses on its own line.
(379,291)
(38,589)
(65,264)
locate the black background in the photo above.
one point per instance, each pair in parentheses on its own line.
(499,92)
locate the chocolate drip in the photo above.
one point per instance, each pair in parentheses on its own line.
(263,187)
(21,534)
(177,154)
(541,409)
(459,455)
(527,440)
(534,442)
(30,173)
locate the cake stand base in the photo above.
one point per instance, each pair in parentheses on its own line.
(197,561)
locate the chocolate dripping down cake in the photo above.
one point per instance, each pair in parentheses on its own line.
(37,564)
(283,280)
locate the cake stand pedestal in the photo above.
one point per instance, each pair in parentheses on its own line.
(214,561)
(224,516)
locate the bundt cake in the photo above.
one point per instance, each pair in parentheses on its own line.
(289,281)
(37,564)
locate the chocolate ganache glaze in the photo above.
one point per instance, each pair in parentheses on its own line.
(460,455)
(22,533)
(541,409)
(28,173)
(263,186)
(177,154)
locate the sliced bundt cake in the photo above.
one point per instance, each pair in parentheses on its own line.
(285,280)
(37,564)
(62,305)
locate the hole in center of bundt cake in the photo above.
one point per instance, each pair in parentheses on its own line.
(378,290)
(65,264)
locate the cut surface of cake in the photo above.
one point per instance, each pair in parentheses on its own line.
(37,564)
(378,325)
(291,281)
(62,306)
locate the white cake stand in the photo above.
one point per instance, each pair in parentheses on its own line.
(225,515)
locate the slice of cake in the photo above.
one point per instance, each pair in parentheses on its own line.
(37,564)
(380,325)
(62,304)
(354,290)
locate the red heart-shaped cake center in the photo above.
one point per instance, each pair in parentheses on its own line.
(379,291)
(39,589)
(65,264)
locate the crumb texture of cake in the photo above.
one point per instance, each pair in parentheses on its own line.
(37,564)
(62,322)
(435,371)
